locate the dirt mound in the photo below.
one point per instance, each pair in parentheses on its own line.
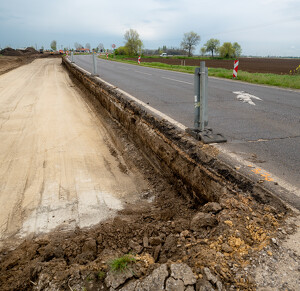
(10,52)
(227,234)
(29,50)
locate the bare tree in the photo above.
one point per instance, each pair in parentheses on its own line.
(101,47)
(190,40)
(78,46)
(88,46)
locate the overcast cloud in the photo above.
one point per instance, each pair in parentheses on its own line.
(261,27)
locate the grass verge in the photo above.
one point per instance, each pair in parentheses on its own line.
(285,81)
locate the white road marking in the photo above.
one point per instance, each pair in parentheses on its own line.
(143,73)
(246,97)
(177,80)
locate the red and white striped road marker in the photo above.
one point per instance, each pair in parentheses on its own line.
(139,60)
(107,55)
(235,68)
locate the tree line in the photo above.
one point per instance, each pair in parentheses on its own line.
(134,45)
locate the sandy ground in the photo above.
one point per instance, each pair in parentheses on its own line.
(58,166)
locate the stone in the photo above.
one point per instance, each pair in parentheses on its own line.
(219,286)
(156,252)
(184,233)
(174,285)
(155,240)
(155,281)
(189,288)
(204,285)
(183,272)
(115,279)
(226,248)
(130,286)
(213,207)
(145,241)
(202,219)
(210,277)
(135,247)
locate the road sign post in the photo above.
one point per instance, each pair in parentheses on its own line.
(235,69)
(200,130)
(72,57)
(94,64)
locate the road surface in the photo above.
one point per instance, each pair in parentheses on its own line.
(56,166)
(262,124)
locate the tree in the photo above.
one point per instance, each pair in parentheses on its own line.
(53,45)
(212,45)
(227,50)
(203,51)
(190,40)
(237,49)
(121,51)
(133,44)
(88,46)
(101,47)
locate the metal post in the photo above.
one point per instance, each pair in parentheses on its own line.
(203,96)
(72,57)
(200,90)
(94,64)
(197,98)
(200,130)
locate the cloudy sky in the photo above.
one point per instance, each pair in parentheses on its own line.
(261,27)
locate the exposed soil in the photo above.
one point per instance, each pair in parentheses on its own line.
(252,65)
(11,59)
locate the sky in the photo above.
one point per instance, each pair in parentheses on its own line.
(261,27)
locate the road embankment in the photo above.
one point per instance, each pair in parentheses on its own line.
(194,167)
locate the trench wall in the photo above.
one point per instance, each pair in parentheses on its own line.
(185,162)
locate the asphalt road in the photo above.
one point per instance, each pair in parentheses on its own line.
(264,130)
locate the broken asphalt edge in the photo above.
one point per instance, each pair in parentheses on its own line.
(202,172)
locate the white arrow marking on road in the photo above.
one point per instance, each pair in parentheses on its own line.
(245,97)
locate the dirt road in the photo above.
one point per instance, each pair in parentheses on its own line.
(58,166)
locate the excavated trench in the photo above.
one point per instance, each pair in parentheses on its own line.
(198,211)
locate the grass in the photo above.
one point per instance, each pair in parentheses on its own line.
(101,275)
(120,264)
(285,81)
